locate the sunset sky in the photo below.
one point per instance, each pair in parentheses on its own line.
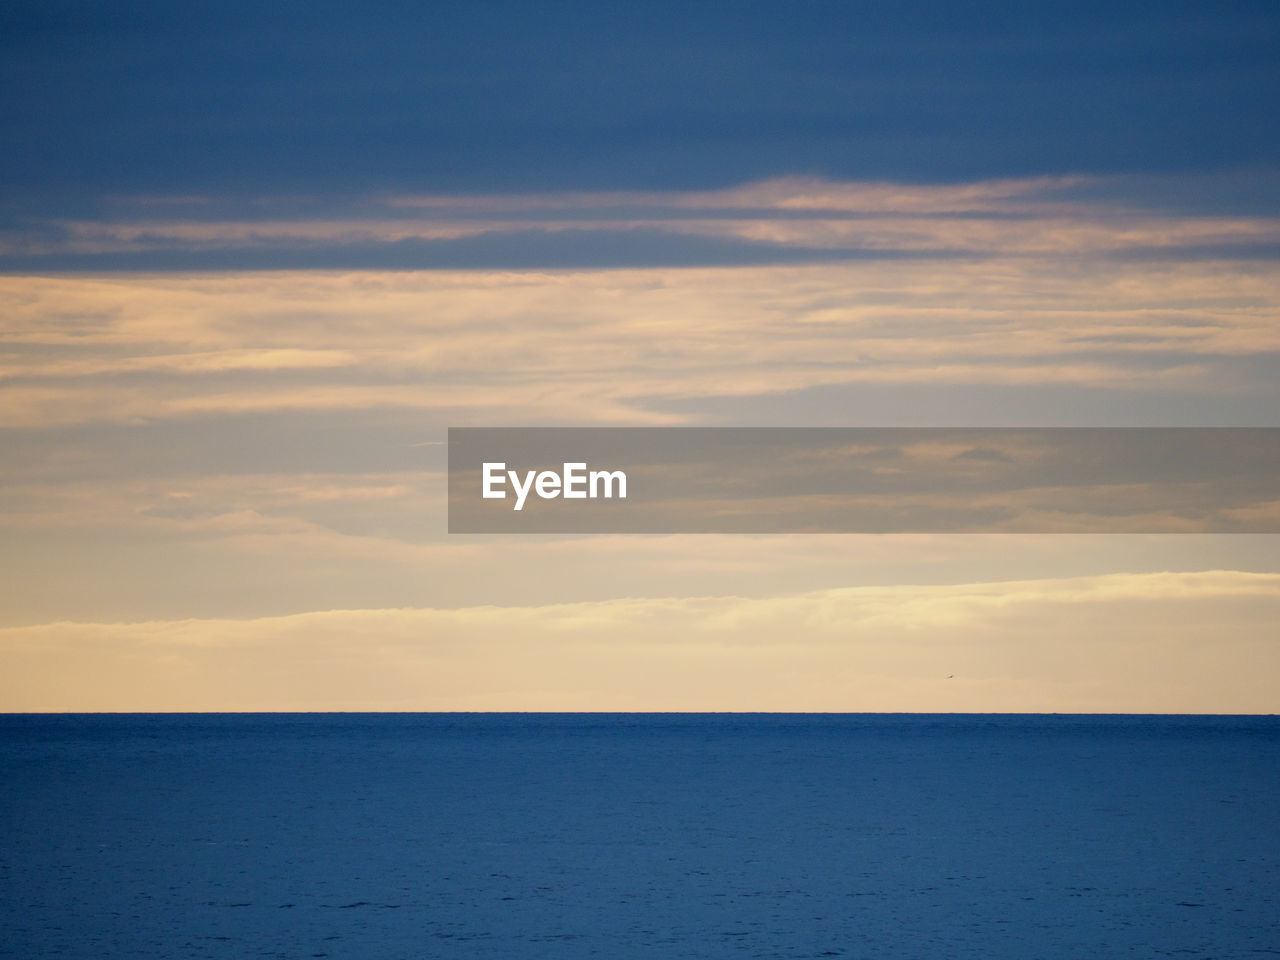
(255,259)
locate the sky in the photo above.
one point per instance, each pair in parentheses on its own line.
(256,259)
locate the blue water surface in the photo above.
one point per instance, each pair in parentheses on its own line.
(622,835)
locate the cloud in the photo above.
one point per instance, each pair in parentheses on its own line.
(617,346)
(282,406)
(1128,642)
(810,194)
(778,221)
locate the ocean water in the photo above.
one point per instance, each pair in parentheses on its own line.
(618,836)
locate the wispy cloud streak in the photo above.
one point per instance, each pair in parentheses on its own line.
(778,220)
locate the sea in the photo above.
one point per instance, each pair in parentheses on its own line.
(377,836)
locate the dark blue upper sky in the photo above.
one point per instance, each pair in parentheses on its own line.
(255,98)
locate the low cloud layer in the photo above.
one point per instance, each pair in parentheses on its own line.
(1182,643)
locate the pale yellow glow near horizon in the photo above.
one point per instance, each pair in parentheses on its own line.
(1146,643)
